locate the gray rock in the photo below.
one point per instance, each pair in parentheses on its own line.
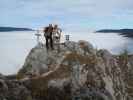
(13,90)
(76,71)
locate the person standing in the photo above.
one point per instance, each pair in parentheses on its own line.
(56,34)
(48,31)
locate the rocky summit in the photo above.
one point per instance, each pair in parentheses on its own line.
(72,71)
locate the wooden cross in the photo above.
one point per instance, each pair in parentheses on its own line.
(38,36)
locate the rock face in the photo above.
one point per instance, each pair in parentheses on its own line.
(126,64)
(13,90)
(72,71)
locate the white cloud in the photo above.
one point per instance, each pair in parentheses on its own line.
(65,11)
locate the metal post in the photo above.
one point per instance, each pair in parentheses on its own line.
(67,37)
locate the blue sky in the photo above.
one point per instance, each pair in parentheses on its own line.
(69,14)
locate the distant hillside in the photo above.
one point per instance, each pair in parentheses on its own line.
(8,29)
(125,32)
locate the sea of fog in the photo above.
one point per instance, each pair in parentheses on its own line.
(15,46)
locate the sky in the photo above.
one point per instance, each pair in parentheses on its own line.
(73,15)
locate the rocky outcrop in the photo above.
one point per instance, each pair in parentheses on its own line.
(13,90)
(125,63)
(72,71)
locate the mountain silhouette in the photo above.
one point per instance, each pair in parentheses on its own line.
(124,32)
(8,29)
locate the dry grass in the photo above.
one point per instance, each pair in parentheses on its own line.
(81,59)
(82,44)
(40,84)
(19,76)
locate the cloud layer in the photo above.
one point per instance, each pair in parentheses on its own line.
(75,14)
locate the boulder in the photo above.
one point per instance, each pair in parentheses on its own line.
(72,71)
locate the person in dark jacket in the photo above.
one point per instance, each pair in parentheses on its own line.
(48,31)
